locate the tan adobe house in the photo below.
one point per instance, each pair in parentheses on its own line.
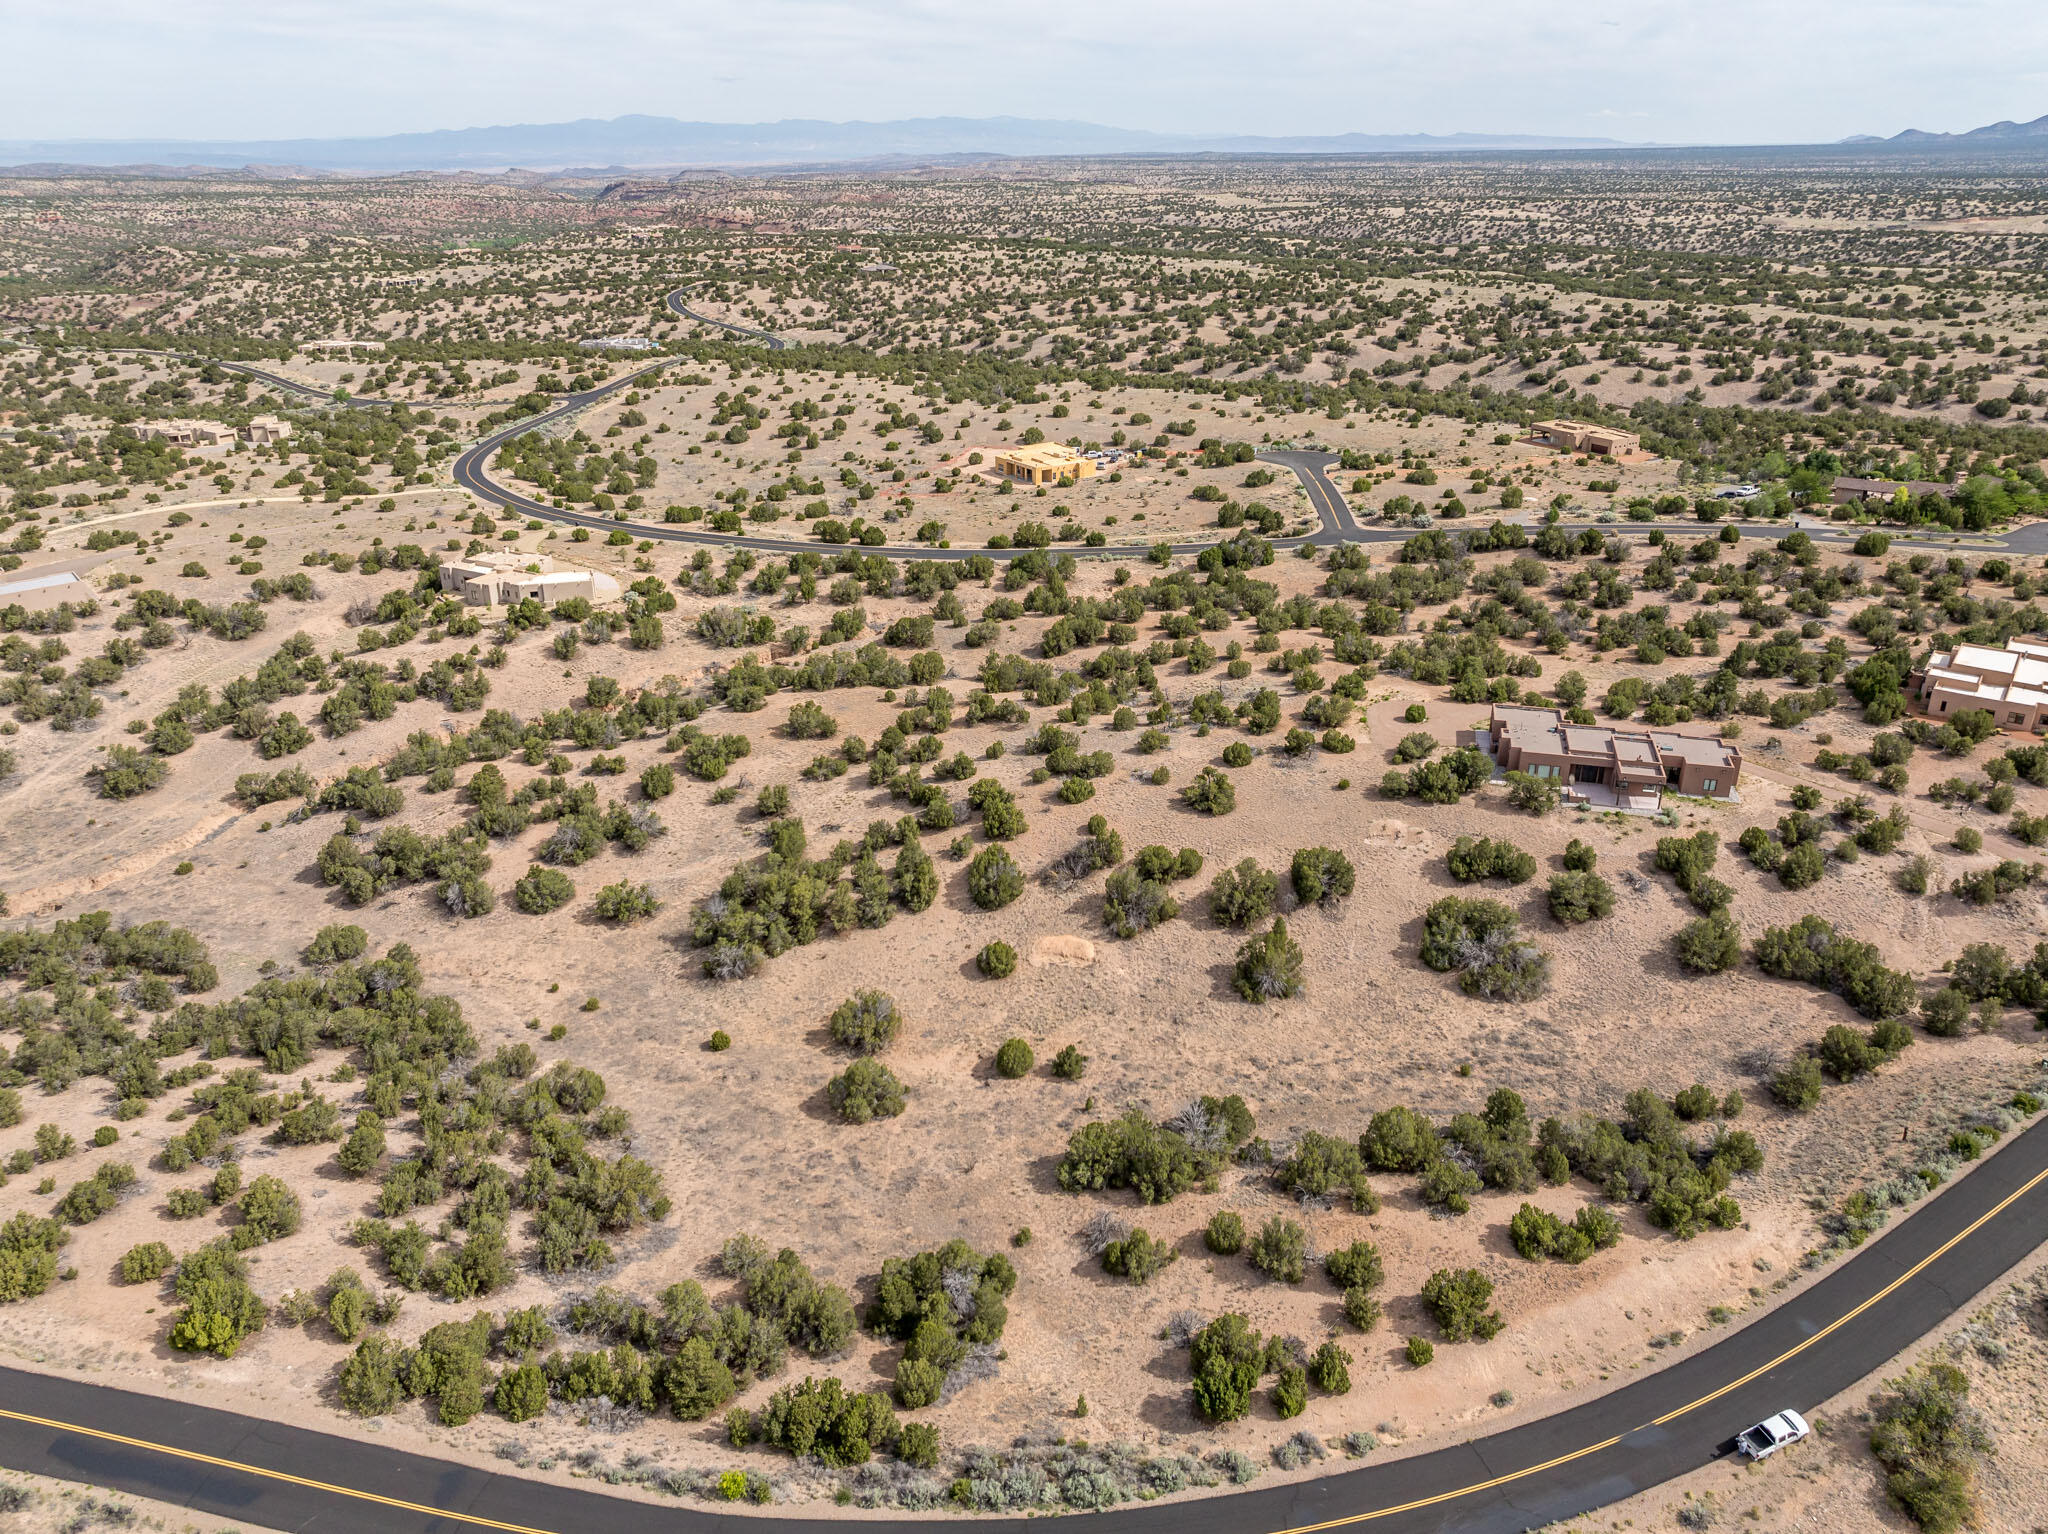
(1849,490)
(2012,683)
(496,580)
(189,433)
(1584,437)
(263,430)
(1596,762)
(1043,463)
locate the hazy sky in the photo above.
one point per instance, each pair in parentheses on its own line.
(1724,71)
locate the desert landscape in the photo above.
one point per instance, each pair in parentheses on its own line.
(768,961)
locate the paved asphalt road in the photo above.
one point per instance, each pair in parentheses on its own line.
(1310,466)
(1817,1343)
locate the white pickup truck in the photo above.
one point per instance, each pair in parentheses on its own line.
(1771,1435)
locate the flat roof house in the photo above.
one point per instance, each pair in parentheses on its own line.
(1584,437)
(1604,765)
(263,430)
(188,433)
(1043,463)
(496,580)
(2012,683)
(1849,490)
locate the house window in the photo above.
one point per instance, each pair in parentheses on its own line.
(1708,785)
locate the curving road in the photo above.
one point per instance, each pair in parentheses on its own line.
(1816,1344)
(675,302)
(1310,466)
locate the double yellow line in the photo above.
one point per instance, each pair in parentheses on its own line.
(1736,1384)
(194,1457)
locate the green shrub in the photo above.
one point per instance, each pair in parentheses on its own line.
(87,1201)
(1361,1309)
(1458,1301)
(1321,875)
(1538,1235)
(127,772)
(1420,1351)
(28,1255)
(1133,903)
(1014,1059)
(1210,792)
(867,1022)
(146,1263)
(1224,1234)
(1290,1392)
(336,944)
(1473,858)
(221,1310)
(1069,1064)
(1227,1358)
(521,1393)
(364,1147)
(1241,896)
(1812,951)
(1157,1161)
(1929,1439)
(626,902)
(1269,966)
(1330,1369)
(269,1210)
(1532,795)
(918,1444)
(1356,1266)
(542,890)
(371,1381)
(1579,858)
(1399,1139)
(1577,897)
(1797,1084)
(1709,945)
(1137,1256)
(994,879)
(348,1307)
(1481,940)
(997,960)
(1321,1164)
(1280,1250)
(865,1090)
(822,1419)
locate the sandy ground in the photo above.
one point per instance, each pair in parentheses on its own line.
(745,1143)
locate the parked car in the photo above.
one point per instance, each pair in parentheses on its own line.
(1771,1435)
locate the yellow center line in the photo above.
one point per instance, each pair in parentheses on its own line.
(1308,1528)
(1790,1353)
(273,1475)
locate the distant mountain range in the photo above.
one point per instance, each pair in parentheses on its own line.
(639,142)
(1990,136)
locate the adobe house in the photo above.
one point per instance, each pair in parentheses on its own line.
(2011,683)
(1043,463)
(1850,490)
(496,580)
(1584,437)
(1604,765)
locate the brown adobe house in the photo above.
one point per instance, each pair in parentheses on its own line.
(1616,768)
